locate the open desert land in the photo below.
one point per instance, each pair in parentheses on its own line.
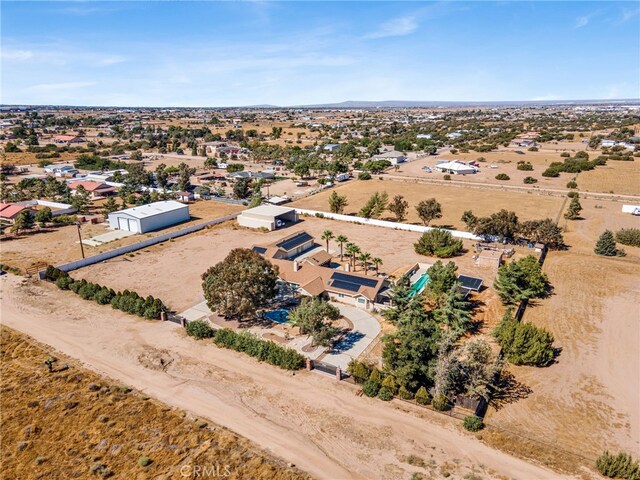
(455,199)
(587,401)
(57,245)
(314,422)
(99,426)
(622,178)
(171,271)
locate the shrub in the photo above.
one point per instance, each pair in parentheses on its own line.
(438,242)
(530,180)
(440,402)
(573,194)
(63,283)
(503,176)
(52,273)
(447,176)
(199,329)
(390,384)
(385,394)
(621,465)
(525,166)
(404,393)
(265,351)
(606,245)
(359,371)
(565,154)
(572,184)
(370,389)
(629,236)
(473,423)
(533,149)
(144,461)
(551,172)
(422,396)
(364,176)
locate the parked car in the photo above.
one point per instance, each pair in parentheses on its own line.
(302,184)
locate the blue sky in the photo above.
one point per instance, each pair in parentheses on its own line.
(191,53)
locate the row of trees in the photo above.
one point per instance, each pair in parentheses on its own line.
(127,301)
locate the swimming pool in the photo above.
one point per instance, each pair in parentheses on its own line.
(278,316)
(419,285)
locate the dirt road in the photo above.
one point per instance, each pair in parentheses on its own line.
(310,420)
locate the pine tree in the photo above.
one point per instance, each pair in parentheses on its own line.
(574,209)
(606,245)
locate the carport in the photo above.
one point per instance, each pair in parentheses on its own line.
(268,216)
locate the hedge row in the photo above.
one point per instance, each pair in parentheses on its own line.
(129,302)
(264,350)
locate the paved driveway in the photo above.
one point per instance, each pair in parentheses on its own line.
(365,329)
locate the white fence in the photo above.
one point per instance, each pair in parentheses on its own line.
(383,223)
(60,208)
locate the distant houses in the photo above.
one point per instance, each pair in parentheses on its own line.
(394,157)
(9,211)
(67,139)
(456,167)
(96,189)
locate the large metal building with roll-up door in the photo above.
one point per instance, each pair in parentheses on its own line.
(152,216)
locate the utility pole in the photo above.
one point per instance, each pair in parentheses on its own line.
(80,238)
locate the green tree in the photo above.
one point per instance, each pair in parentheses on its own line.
(184,178)
(23,221)
(337,202)
(199,329)
(353,250)
(326,236)
(162,177)
(243,282)
(364,261)
(399,207)
(441,279)
(376,263)
(110,206)
(521,279)
(242,188)
(429,210)
(621,465)
(81,200)
(545,231)
(44,216)
(341,240)
(438,242)
(454,310)
(314,316)
(524,343)
(606,245)
(374,207)
(573,212)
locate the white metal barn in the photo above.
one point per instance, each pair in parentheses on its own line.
(270,217)
(152,216)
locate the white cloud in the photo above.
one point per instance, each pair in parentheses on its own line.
(110,60)
(582,21)
(397,27)
(545,98)
(629,14)
(16,54)
(57,87)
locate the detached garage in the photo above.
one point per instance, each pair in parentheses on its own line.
(268,216)
(147,218)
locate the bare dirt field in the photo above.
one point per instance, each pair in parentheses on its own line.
(59,245)
(172,271)
(617,177)
(96,425)
(454,200)
(588,401)
(308,419)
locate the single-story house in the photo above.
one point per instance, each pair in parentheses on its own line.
(456,167)
(607,143)
(454,135)
(267,216)
(152,216)
(9,211)
(96,189)
(264,175)
(67,139)
(426,136)
(311,275)
(185,196)
(526,143)
(331,147)
(53,168)
(393,156)
(632,209)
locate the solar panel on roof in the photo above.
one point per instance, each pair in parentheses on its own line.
(260,250)
(363,282)
(294,241)
(470,283)
(352,287)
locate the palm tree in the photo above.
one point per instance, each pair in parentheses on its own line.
(326,236)
(364,260)
(341,239)
(352,251)
(377,262)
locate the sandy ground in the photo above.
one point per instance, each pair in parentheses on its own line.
(454,200)
(92,420)
(310,420)
(59,245)
(588,401)
(171,271)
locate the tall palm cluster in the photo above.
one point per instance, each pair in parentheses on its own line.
(353,252)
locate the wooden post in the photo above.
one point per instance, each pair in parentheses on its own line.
(338,373)
(183,322)
(163,316)
(309,364)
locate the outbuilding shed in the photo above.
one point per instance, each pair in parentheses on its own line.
(268,216)
(152,216)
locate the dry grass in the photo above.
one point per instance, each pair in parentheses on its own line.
(454,200)
(76,424)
